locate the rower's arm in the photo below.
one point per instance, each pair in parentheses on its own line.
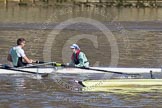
(27,60)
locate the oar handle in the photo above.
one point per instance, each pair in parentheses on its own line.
(59,64)
(40,62)
(52,63)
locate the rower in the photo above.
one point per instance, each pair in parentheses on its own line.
(17,55)
(78,58)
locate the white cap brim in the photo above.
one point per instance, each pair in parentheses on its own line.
(72,47)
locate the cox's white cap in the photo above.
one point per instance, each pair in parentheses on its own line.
(75,46)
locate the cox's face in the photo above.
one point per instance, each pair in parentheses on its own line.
(73,50)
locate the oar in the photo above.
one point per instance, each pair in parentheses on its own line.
(88,68)
(14,69)
(38,64)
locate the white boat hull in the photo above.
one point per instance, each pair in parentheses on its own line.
(111,73)
(122,70)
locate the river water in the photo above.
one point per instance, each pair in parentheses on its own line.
(125,37)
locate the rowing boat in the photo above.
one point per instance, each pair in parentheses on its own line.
(108,71)
(91,70)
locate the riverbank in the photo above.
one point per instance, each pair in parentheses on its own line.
(85,3)
(59,14)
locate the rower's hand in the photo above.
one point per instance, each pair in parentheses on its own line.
(38,62)
(32,61)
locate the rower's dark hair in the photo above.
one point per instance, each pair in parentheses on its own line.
(20,40)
